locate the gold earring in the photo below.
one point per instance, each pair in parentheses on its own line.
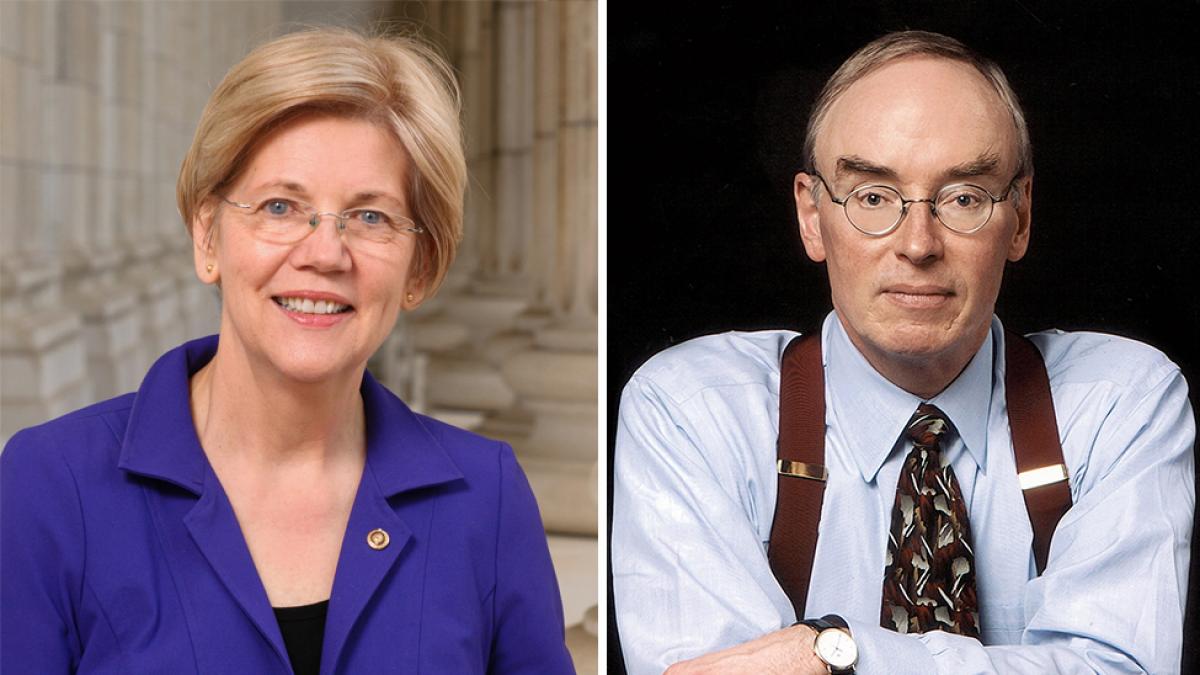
(409,297)
(209,267)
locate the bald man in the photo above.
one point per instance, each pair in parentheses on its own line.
(924,554)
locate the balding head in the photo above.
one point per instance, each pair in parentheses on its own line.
(907,45)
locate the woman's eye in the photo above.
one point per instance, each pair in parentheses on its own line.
(372,218)
(277,207)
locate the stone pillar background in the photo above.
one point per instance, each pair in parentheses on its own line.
(510,342)
(98,103)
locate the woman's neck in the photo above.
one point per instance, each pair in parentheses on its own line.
(248,410)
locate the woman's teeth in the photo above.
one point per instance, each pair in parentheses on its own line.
(308,306)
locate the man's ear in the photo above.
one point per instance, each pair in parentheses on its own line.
(809,217)
(1024,209)
(204,242)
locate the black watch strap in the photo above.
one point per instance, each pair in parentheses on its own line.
(827,621)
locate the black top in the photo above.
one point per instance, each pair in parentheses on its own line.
(303,631)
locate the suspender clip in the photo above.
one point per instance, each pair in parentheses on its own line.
(1036,478)
(815,472)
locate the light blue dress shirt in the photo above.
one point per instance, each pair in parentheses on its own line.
(695,488)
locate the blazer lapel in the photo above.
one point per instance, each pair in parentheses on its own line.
(402,457)
(215,530)
(160,443)
(362,565)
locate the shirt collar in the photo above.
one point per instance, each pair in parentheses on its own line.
(871,412)
(160,438)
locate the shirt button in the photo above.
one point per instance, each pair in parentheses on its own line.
(378,539)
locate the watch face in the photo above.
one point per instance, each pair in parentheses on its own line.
(836,648)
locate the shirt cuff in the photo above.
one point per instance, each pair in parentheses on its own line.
(886,652)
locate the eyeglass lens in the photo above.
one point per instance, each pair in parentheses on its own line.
(875,209)
(283,221)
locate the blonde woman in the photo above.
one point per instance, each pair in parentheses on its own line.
(261,504)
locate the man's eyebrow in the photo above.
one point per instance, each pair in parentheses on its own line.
(855,164)
(983,165)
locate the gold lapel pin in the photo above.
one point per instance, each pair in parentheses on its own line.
(378,539)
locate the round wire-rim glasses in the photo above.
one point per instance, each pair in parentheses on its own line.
(288,221)
(877,210)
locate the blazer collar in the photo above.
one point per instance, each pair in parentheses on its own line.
(160,439)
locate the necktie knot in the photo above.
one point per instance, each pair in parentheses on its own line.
(927,426)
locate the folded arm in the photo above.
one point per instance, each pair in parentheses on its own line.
(691,575)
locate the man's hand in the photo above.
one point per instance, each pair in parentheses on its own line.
(784,652)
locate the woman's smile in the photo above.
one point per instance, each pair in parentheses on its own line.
(313,309)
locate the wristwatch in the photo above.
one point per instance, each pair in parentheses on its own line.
(833,644)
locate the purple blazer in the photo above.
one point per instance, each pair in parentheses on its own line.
(120,552)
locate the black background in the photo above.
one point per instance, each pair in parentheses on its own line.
(706,110)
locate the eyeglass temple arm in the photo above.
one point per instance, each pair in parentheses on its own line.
(828,190)
(240,205)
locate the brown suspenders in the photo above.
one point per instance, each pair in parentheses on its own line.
(801,456)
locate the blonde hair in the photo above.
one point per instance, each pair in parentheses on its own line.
(916,43)
(398,82)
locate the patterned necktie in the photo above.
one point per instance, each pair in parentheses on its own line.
(929,581)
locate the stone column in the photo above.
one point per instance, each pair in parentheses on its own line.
(99,293)
(468,54)
(430,335)
(479,82)
(555,377)
(143,267)
(578,252)
(501,291)
(30,243)
(42,358)
(514,147)
(546,119)
(161,231)
(470,322)
(43,361)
